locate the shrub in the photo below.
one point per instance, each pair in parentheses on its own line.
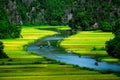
(113,47)
(117,50)
(116,28)
(94,48)
(54,23)
(106,26)
(2,54)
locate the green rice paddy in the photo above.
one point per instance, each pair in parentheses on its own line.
(22,65)
(84,42)
(90,43)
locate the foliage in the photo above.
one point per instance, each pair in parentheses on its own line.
(55,11)
(42,12)
(22,10)
(2,54)
(88,12)
(7,29)
(117,50)
(81,21)
(106,26)
(116,28)
(113,46)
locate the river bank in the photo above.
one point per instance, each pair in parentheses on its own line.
(52,51)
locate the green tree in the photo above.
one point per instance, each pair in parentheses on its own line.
(7,29)
(113,45)
(54,11)
(116,28)
(88,12)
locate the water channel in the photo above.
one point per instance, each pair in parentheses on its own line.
(70,58)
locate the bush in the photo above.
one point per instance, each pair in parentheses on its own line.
(9,30)
(1,46)
(80,21)
(94,48)
(110,45)
(2,54)
(54,23)
(106,26)
(116,28)
(117,50)
(113,47)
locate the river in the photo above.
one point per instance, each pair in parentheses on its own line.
(70,58)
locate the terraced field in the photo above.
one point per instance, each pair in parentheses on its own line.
(22,65)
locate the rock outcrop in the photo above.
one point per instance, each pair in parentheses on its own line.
(12,12)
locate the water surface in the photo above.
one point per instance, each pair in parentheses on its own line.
(69,58)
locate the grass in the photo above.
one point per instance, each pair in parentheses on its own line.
(22,65)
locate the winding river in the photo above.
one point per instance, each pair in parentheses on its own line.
(69,58)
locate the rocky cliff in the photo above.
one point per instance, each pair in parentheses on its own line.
(37,12)
(59,12)
(12,12)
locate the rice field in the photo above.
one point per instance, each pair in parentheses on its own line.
(90,43)
(51,72)
(22,65)
(84,42)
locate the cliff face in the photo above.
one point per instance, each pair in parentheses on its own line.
(31,12)
(58,12)
(37,12)
(21,12)
(12,12)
